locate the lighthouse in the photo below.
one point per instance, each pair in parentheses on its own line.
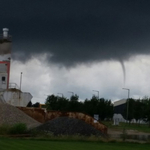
(5,57)
(9,94)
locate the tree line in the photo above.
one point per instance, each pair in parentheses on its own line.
(138,109)
(95,105)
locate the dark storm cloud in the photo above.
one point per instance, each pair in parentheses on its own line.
(77,31)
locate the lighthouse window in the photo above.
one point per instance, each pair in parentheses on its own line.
(3,79)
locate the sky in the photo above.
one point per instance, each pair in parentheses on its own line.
(79,46)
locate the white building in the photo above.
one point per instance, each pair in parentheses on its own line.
(119,109)
(11,95)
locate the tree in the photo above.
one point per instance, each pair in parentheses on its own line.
(29,104)
(90,106)
(109,109)
(93,106)
(146,113)
(102,107)
(138,110)
(51,102)
(37,104)
(129,110)
(74,105)
(62,104)
(74,98)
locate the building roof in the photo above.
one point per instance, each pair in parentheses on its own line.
(120,102)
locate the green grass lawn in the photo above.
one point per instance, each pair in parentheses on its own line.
(23,144)
(121,126)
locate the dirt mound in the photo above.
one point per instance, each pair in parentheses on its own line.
(68,126)
(11,115)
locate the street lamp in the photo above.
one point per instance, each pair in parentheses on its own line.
(71,92)
(20,86)
(20,80)
(60,94)
(127,100)
(97,93)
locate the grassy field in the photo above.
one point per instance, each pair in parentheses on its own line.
(23,144)
(121,126)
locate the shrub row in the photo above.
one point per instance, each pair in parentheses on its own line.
(18,128)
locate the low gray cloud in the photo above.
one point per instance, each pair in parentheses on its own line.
(80,31)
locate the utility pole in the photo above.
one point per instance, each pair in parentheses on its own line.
(97,93)
(20,80)
(60,94)
(127,101)
(71,92)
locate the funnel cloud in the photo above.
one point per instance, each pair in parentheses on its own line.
(75,45)
(81,31)
(124,71)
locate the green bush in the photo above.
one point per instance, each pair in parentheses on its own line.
(19,128)
(4,129)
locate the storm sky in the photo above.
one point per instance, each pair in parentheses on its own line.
(79,45)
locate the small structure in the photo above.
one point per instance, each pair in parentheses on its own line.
(117,118)
(120,106)
(119,110)
(9,94)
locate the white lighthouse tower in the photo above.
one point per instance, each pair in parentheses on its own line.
(11,95)
(5,57)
